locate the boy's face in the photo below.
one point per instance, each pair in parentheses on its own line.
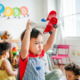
(36,45)
(70,75)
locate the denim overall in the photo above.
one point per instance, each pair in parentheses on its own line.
(34,69)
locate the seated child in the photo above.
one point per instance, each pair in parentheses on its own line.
(72,71)
(6,72)
(31,65)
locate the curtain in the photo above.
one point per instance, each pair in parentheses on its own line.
(59,34)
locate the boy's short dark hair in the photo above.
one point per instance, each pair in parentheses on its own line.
(73,68)
(34,33)
(4,46)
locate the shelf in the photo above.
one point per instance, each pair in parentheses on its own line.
(13,40)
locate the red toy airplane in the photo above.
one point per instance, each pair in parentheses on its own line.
(52,22)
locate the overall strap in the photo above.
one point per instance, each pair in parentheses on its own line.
(35,69)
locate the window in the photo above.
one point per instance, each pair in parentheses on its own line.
(71,17)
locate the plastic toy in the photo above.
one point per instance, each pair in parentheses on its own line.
(5,35)
(14,51)
(43,20)
(52,22)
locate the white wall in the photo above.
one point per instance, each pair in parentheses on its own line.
(38,9)
(74,42)
(51,5)
(74,49)
(16,26)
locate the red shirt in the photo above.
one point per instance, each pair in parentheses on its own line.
(23,63)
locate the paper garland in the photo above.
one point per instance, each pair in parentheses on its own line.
(24,10)
(16,12)
(1,8)
(8,11)
(76,53)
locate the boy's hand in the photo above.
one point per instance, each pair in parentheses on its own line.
(54,30)
(28,27)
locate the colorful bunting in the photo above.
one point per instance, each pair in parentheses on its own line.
(16,12)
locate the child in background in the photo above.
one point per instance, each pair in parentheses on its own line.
(6,72)
(31,66)
(72,71)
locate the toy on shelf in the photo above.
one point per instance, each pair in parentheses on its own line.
(6,35)
(14,51)
(15,57)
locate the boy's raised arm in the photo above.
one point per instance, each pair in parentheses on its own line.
(26,41)
(50,41)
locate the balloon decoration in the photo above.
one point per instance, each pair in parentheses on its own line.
(16,12)
(1,8)
(8,11)
(24,10)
